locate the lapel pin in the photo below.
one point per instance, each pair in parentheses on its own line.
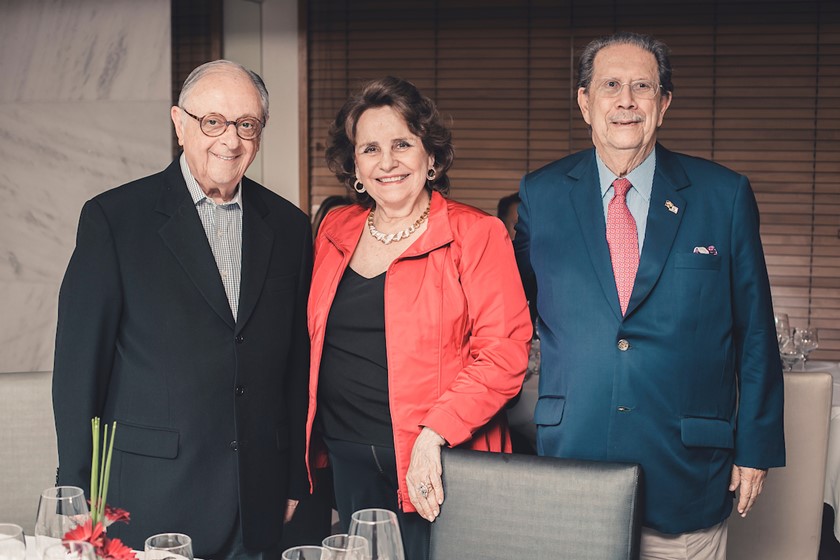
(671,207)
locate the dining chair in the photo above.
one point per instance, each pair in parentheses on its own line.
(500,506)
(786,521)
(27,439)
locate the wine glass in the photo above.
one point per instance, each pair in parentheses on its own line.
(168,546)
(307,553)
(382,532)
(346,547)
(12,542)
(806,341)
(60,509)
(70,550)
(782,328)
(790,354)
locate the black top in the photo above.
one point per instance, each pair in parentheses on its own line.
(353,379)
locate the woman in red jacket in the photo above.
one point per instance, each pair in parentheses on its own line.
(417,317)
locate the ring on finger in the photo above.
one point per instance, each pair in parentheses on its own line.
(423,488)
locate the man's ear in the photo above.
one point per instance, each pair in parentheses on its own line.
(664,103)
(178,121)
(583,103)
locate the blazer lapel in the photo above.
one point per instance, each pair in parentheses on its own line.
(257,243)
(662,224)
(185,237)
(589,208)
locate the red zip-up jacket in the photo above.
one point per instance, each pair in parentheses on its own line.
(457,327)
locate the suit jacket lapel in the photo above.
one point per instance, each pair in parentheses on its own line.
(589,208)
(257,243)
(185,237)
(662,224)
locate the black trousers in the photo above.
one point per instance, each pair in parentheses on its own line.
(365,476)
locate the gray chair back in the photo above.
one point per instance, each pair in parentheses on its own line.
(28,454)
(786,521)
(503,506)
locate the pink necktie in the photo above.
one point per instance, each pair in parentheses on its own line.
(623,240)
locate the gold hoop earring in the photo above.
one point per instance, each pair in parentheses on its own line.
(358,186)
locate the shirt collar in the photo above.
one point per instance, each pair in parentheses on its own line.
(641,177)
(197,194)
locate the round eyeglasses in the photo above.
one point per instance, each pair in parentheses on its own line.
(643,89)
(214,124)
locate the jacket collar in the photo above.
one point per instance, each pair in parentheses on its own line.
(662,224)
(185,237)
(438,232)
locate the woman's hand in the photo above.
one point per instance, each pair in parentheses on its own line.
(425,488)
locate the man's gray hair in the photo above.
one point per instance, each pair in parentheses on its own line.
(215,65)
(657,48)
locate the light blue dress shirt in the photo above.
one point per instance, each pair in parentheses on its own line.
(638,198)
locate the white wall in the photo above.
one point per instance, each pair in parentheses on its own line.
(84,106)
(263,35)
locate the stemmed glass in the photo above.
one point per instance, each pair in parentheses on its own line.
(70,550)
(12,542)
(307,553)
(790,353)
(782,328)
(382,532)
(346,547)
(169,546)
(806,341)
(60,509)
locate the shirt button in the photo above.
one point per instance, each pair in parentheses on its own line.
(623,345)
(234,446)
(240,390)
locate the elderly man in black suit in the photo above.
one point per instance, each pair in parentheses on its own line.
(182,317)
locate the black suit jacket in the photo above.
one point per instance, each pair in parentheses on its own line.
(210,411)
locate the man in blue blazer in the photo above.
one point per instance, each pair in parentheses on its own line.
(182,317)
(656,323)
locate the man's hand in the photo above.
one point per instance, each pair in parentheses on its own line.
(749,483)
(291,505)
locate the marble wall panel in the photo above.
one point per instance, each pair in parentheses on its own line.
(84,49)
(84,107)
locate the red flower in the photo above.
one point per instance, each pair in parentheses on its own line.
(114,549)
(114,515)
(87,532)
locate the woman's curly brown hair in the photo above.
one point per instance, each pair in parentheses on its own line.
(421,116)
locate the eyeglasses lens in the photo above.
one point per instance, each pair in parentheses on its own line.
(247,128)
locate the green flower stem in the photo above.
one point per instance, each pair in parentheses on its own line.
(100,499)
(107,468)
(94,472)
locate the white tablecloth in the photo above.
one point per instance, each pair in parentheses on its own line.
(521,418)
(32,550)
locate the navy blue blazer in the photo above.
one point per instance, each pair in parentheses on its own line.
(210,410)
(689,380)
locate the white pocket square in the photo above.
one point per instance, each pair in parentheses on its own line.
(710,250)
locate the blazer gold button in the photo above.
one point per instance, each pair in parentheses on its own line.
(623,345)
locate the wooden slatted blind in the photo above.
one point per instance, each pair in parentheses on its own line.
(757,88)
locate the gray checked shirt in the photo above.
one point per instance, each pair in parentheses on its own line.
(223,226)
